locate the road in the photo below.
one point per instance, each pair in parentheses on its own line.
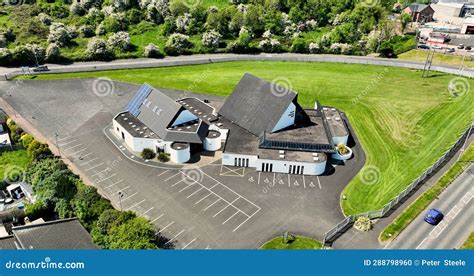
(215,58)
(455,204)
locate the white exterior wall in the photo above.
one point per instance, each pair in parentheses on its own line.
(228,159)
(180,156)
(184,117)
(212,144)
(139,144)
(118,130)
(134,143)
(282,166)
(287,119)
(340,140)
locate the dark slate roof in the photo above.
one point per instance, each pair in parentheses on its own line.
(158,111)
(58,234)
(7,243)
(253,106)
(417,7)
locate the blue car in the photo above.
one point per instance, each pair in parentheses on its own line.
(434,217)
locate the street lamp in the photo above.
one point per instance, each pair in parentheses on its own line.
(57,145)
(120,194)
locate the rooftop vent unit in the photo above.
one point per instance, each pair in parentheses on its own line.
(219,124)
(188,127)
(325,108)
(333,109)
(337,119)
(152,133)
(282,156)
(130,123)
(178,147)
(328,118)
(214,113)
(146,136)
(180,129)
(316,159)
(281,151)
(125,119)
(141,132)
(122,115)
(145,127)
(205,116)
(315,154)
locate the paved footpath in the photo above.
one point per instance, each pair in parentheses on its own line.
(8,73)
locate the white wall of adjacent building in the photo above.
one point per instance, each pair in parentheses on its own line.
(340,139)
(239,160)
(287,119)
(180,156)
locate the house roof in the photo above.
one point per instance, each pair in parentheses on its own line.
(157,112)
(7,242)
(416,7)
(58,234)
(257,105)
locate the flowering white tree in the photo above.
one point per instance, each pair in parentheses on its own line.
(314,48)
(86,31)
(120,40)
(58,34)
(270,45)
(152,51)
(76,8)
(178,43)
(35,52)
(45,19)
(211,39)
(183,22)
(107,10)
(53,52)
(97,48)
(100,30)
(5,56)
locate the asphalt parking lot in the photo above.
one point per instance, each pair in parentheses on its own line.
(209,207)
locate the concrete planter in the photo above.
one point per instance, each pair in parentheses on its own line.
(339,156)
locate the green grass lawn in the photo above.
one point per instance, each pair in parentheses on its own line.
(12,158)
(300,242)
(439,58)
(469,242)
(405,123)
(411,212)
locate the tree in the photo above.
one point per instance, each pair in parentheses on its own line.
(120,40)
(152,51)
(38,151)
(211,39)
(89,205)
(53,53)
(97,49)
(136,233)
(5,57)
(405,19)
(177,44)
(58,185)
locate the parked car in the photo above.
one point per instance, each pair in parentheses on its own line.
(450,50)
(423,46)
(41,68)
(461,46)
(468,48)
(9,200)
(434,217)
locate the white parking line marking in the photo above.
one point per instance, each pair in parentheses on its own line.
(172,176)
(107,178)
(97,173)
(65,138)
(319,182)
(175,236)
(454,212)
(289,181)
(129,197)
(258,178)
(135,205)
(163,173)
(211,204)
(220,211)
(76,152)
(87,162)
(177,183)
(189,243)
(235,229)
(157,218)
(85,155)
(187,186)
(171,223)
(73,147)
(230,217)
(203,198)
(71,141)
(304,182)
(194,193)
(91,168)
(120,190)
(111,185)
(148,210)
(466,198)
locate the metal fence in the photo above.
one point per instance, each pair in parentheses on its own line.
(346,223)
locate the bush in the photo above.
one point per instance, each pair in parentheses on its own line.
(3,41)
(148,154)
(76,8)
(86,31)
(152,51)
(37,210)
(120,40)
(298,46)
(177,44)
(163,157)
(97,49)
(53,53)
(363,224)
(38,151)
(314,48)
(5,57)
(26,140)
(45,19)
(211,39)
(28,54)
(58,34)
(270,45)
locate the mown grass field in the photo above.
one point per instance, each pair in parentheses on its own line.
(405,122)
(300,242)
(17,158)
(439,58)
(469,242)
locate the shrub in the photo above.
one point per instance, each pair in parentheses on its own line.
(163,157)
(3,41)
(183,22)
(5,56)
(211,39)
(86,31)
(363,224)
(28,54)
(44,19)
(97,49)
(298,45)
(53,53)
(94,15)
(314,48)
(148,154)
(58,10)
(76,8)
(270,45)
(152,51)
(120,40)
(26,140)
(177,44)
(115,23)
(58,34)
(342,149)
(100,30)
(38,151)
(37,210)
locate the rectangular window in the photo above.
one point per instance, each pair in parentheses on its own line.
(302,169)
(235,162)
(271,167)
